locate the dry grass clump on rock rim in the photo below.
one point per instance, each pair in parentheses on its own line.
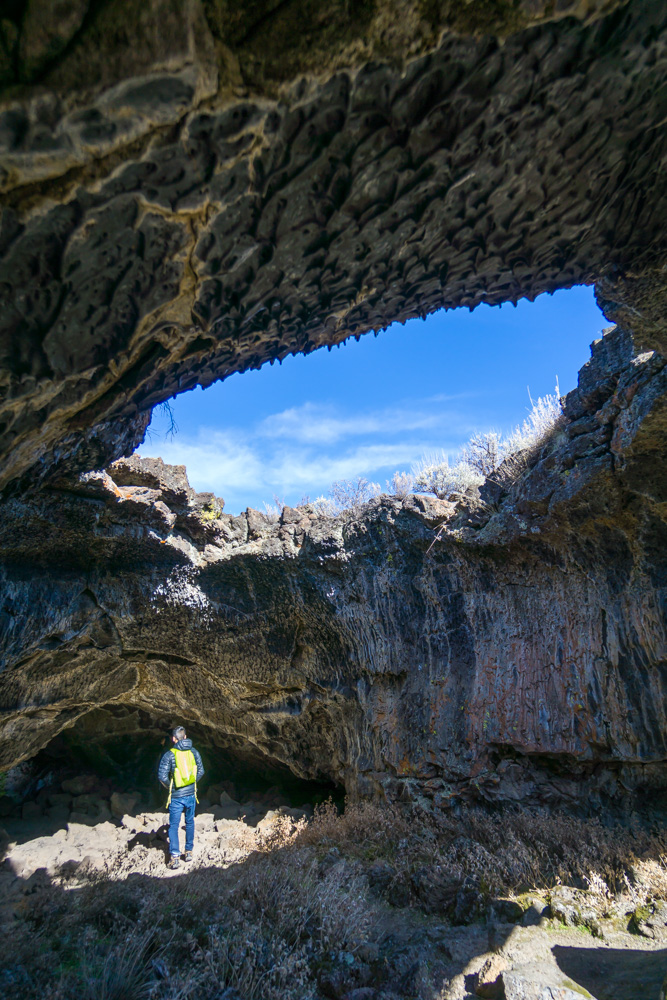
(312,903)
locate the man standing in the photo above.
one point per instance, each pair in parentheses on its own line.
(180,769)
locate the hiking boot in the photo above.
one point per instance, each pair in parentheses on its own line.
(188,855)
(174,863)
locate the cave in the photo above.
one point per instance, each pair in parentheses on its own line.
(478,681)
(123,745)
(207,201)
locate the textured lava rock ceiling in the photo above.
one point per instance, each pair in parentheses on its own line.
(191,190)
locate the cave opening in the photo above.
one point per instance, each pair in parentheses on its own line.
(115,750)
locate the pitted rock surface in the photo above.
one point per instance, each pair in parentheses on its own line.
(521,655)
(193,189)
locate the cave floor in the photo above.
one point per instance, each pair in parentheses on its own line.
(546,961)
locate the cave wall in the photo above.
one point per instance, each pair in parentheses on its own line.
(193,189)
(523,655)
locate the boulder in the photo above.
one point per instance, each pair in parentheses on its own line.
(226,800)
(123,803)
(535,911)
(268,821)
(204,822)
(58,814)
(60,799)
(574,908)
(30,810)
(228,812)
(650,920)
(521,986)
(506,911)
(81,819)
(489,984)
(80,785)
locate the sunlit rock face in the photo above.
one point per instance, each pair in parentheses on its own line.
(520,655)
(193,189)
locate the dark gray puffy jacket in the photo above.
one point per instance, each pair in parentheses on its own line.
(168,766)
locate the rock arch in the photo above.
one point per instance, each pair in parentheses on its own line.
(201,204)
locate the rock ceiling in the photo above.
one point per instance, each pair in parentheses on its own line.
(193,189)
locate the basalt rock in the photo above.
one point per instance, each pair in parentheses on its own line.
(192,189)
(521,654)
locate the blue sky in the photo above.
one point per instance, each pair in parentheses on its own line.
(376,406)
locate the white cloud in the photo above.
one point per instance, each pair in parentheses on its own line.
(214,459)
(303,450)
(316,424)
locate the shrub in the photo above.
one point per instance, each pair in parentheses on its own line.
(346,494)
(401,484)
(272,511)
(125,974)
(324,506)
(445,480)
(543,417)
(484,452)
(483,455)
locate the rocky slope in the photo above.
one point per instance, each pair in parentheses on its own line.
(521,655)
(193,189)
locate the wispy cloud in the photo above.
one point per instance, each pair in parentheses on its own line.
(316,424)
(304,449)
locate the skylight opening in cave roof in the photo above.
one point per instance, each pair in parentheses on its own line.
(376,406)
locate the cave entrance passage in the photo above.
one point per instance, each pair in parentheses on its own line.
(117,748)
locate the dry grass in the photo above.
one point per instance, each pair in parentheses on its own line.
(124,974)
(515,851)
(314,898)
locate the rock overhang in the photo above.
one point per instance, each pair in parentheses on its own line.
(208,200)
(521,655)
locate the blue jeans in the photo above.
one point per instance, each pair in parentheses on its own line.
(176,807)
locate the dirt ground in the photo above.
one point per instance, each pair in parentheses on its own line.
(399,935)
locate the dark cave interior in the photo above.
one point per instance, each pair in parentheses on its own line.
(121,746)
